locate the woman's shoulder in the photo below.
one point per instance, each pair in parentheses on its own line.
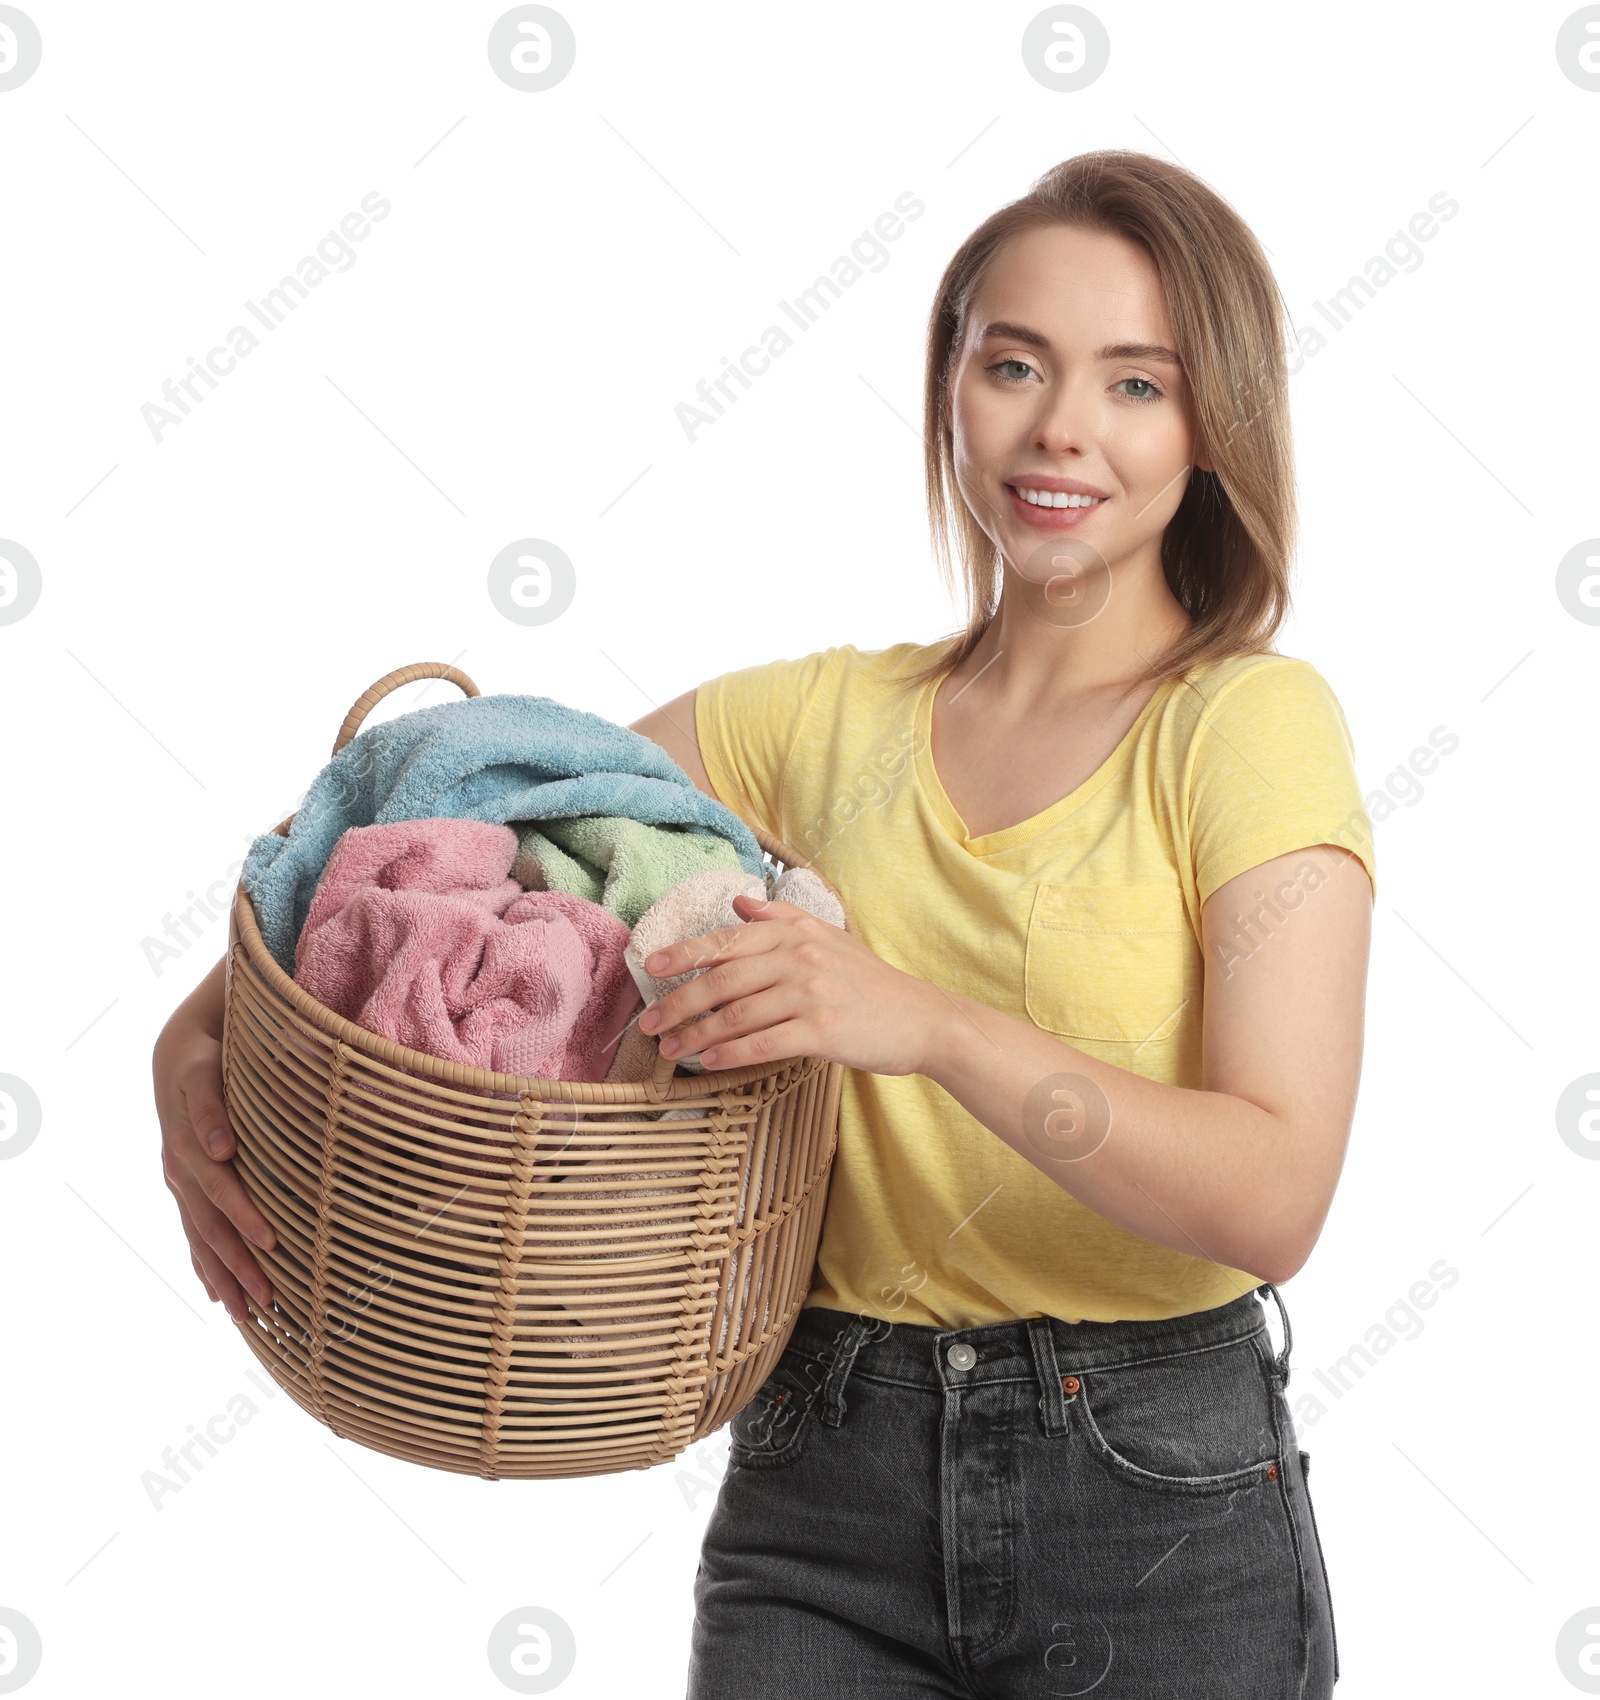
(1264,686)
(893,660)
(1265,671)
(848,668)
(1260,762)
(820,685)
(900,665)
(890,662)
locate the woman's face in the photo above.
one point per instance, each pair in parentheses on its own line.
(1066,387)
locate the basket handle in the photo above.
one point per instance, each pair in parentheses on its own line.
(374,694)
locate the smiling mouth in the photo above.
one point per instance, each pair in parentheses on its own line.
(1053,498)
(1052,510)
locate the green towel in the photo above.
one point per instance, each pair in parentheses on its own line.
(622,864)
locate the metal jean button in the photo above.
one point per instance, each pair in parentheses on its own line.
(961,1356)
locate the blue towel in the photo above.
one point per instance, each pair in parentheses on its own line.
(495,759)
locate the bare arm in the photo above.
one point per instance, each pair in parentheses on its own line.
(1243,1170)
(672,727)
(196,1145)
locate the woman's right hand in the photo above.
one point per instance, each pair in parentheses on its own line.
(196,1150)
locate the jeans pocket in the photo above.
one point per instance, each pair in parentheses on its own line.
(1322,1563)
(771,1430)
(1197,1422)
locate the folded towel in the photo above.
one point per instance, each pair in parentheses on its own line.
(417,932)
(623,865)
(703,903)
(491,759)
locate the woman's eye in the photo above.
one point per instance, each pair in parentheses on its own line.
(1009,377)
(1151,393)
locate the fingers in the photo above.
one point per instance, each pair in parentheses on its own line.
(216,1179)
(690,953)
(220,1281)
(197,1145)
(705,948)
(746,1015)
(737,978)
(219,1184)
(217,1213)
(207,1115)
(768,1045)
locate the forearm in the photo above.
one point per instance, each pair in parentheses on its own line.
(1205,1173)
(203,1006)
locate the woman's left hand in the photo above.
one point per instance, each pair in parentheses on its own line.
(790,985)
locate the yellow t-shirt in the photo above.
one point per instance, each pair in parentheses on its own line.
(1083,920)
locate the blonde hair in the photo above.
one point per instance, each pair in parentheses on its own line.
(1226,551)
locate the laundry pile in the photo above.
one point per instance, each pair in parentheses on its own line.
(482,880)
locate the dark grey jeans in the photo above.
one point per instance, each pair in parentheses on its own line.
(1034,1508)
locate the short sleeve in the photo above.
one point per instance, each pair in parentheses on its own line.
(746,723)
(1272,769)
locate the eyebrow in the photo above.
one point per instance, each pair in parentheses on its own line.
(1113,351)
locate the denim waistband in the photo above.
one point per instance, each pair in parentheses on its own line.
(1042,1347)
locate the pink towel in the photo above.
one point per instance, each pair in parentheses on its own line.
(417,932)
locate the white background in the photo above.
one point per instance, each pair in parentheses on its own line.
(503,360)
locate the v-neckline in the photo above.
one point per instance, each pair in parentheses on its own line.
(989,843)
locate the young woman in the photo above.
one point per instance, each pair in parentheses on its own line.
(1103,1023)
(1112,876)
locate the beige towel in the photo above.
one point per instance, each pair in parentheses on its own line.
(701,904)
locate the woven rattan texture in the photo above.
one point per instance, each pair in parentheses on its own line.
(506,1277)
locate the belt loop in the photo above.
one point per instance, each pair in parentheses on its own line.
(1052,1403)
(1280,1364)
(842,1354)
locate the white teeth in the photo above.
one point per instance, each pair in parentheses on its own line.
(1055,498)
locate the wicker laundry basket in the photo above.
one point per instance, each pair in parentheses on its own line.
(508,1277)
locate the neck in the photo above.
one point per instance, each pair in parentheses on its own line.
(1070,641)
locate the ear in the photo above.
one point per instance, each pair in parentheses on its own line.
(1202,461)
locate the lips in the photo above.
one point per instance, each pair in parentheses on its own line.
(1053,481)
(1054,519)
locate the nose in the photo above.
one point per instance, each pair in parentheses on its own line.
(1065,426)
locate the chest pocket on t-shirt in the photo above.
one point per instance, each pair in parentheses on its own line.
(1115,963)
